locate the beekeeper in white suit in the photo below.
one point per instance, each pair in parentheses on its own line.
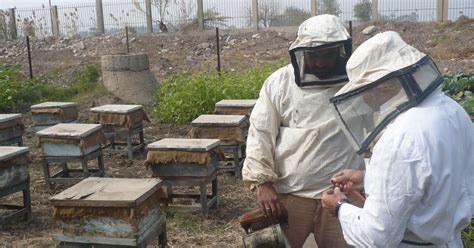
(419,180)
(294,144)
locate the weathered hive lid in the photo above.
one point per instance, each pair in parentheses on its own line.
(219,120)
(195,145)
(117,108)
(9,152)
(55,105)
(247,103)
(69,130)
(9,117)
(107,192)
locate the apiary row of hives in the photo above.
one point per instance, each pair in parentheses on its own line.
(120,212)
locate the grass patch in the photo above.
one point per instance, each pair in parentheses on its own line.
(17,92)
(184,96)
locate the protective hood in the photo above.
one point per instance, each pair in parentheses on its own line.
(386,78)
(320,52)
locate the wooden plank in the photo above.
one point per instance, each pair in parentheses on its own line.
(9,117)
(95,240)
(236,103)
(117,108)
(70,130)
(173,144)
(219,120)
(107,192)
(54,105)
(9,152)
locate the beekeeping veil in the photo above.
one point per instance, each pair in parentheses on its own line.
(320,52)
(386,78)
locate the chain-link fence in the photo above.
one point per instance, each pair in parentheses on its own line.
(173,15)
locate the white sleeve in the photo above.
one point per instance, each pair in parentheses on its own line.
(264,127)
(395,180)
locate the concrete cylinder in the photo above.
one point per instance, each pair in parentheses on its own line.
(128,77)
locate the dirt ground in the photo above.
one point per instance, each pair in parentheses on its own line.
(450,44)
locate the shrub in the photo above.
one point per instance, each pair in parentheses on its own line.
(17,92)
(183,97)
(363,10)
(460,88)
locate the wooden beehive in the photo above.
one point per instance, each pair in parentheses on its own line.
(119,115)
(227,128)
(234,107)
(70,140)
(11,128)
(180,158)
(51,113)
(111,211)
(14,162)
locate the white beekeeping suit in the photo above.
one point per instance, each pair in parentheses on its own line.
(294,140)
(419,181)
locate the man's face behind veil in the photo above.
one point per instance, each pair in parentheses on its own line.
(321,62)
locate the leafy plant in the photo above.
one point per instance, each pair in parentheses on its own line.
(330,7)
(16,91)
(184,97)
(467,235)
(460,88)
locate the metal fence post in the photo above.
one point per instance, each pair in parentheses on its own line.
(149,17)
(255,14)
(442,10)
(12,24)
(100,16)
(375,10)
(314,7)
(200,14)
(55,20)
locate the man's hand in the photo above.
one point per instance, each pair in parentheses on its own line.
(349,180)
(268,200)
(330,199)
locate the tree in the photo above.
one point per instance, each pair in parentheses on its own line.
(291,17)
(330,7)
(363,10)
(266,12)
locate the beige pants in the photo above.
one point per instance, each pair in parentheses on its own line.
(307,215)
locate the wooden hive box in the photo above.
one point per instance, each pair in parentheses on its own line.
(51,113)
(126,115)
(227,128)
(11,129)
(70,140)
(111,211)
(14,162)
(181,158)
(235,107)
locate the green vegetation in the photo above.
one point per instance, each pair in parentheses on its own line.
(184,97)
(17,92)
(460,88)
(468,235)
(363,10)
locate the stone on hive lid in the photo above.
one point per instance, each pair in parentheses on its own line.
(9,117)
(244,103)
(198,145)
(8,152)
(219,120)
(117,108)
(55,105)
(108,192)
(69,130)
